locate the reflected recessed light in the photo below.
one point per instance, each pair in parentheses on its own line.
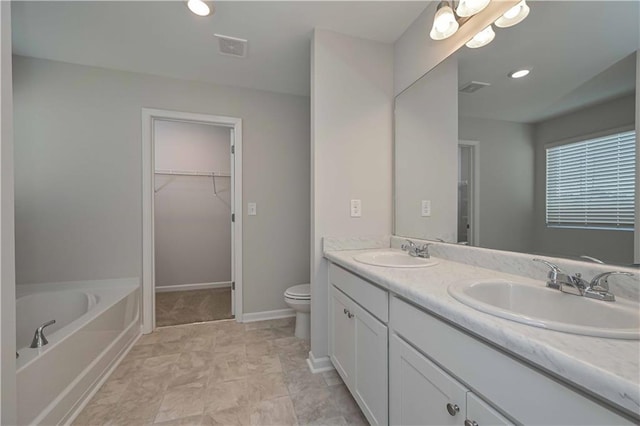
(199,7)
(519,73)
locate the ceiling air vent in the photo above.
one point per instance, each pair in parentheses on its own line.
(231,46)
(473,86)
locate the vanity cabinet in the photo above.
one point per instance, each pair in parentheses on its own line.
(430,355)
(358,341)
(421,393)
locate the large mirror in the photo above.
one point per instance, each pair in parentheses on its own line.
(539,164)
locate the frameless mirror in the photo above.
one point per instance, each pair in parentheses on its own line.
(544,163)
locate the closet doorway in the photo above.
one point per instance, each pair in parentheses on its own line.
(191,235)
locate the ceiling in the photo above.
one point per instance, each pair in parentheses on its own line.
(580,53)
(165,38)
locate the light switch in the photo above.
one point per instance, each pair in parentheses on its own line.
(356,208)
(252,209)
(425,210)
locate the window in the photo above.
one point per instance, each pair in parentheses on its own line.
(591,183)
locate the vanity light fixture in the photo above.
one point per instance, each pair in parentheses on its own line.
(468,8)
(513,16)
(444,23)
(199,7)
(519,73)
(483,38)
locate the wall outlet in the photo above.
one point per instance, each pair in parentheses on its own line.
(252,209)
(425,210)
(356,208)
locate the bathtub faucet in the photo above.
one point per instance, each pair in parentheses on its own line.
(38,338)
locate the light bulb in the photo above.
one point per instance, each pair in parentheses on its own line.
(513,16)
(444,23)
(468,8)
(483,38)
(198,7)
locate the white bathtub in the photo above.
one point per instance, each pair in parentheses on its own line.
(95,322)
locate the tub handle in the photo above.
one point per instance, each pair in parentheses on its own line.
(38,338)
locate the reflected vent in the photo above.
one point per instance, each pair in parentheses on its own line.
(231,46)
(473,87)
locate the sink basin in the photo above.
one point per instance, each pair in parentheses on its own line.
(394,259)
(543,307)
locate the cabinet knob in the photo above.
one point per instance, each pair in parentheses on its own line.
(470,423)
(350,315)
(345,311)
(453,409)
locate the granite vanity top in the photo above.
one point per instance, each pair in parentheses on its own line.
(606,368)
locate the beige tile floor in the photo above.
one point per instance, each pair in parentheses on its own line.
(221,373)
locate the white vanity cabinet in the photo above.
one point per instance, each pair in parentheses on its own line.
(432,357)
(421,393)
(358,340)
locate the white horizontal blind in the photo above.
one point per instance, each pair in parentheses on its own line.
(590,184)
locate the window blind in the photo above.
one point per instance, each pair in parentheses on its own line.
(591,183)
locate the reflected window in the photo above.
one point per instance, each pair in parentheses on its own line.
(591,183)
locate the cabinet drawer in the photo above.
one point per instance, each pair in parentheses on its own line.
(524,393)
(372,298)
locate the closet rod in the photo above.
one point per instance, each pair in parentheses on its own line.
(190,173)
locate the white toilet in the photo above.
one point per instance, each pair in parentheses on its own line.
(298,298)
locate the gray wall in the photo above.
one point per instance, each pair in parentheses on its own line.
(192,224)
(506,154)
(426,155)
(351,139)
(78,174)
(609,246)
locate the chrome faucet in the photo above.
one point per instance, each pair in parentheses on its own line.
(415,250)
(38,338)
(597,289)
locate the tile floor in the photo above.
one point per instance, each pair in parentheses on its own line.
(187,307)
(221,373)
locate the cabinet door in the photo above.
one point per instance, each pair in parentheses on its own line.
(421,393)
(341,335)
(371,387)
(479,413)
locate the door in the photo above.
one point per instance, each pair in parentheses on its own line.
(342,335)
(371,354)
(479,413)
(233,225)
(420,392)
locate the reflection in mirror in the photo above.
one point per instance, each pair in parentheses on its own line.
(544,163)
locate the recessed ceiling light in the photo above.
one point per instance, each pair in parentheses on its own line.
(199,7)
(519,73)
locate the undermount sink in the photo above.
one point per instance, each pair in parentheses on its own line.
(394,259)
(544,307)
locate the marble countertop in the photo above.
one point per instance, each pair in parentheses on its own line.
(606,368)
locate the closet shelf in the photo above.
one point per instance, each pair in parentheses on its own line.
(191,173)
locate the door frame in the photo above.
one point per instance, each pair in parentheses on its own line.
(149,115)
(475,196)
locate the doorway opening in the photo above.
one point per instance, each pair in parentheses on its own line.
(192,262)
(468,193)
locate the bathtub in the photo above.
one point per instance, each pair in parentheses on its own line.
(96,321)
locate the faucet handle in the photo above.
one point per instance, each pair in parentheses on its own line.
(410,245)
(553,273)
(601,281)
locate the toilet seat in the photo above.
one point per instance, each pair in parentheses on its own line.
(299,292)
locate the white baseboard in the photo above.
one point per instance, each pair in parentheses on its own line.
(187,287)
(268,315)
(319,365)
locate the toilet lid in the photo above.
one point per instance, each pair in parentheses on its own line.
(302,291)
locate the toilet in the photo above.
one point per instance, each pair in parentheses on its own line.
(298,298)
